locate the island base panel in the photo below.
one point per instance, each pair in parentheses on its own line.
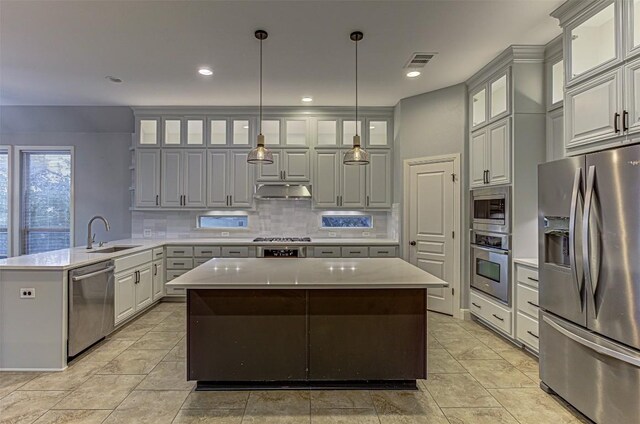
(306,337)
(311,385)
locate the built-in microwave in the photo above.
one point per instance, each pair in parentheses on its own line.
(490,209)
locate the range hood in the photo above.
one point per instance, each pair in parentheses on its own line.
(282,191)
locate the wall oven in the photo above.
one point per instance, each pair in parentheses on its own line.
(490,210)
(491,264)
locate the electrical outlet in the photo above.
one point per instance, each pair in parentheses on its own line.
(332,234)
(147,233)
(225,234)
(366,234)
(28,293)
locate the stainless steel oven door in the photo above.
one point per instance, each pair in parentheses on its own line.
(490,272)
(490,209)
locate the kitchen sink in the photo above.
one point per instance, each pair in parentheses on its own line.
(113,249)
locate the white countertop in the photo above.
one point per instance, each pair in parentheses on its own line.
(532,262)
(306,273)
(79,256)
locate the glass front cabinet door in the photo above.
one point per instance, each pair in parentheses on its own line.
(147,132)
(479,107)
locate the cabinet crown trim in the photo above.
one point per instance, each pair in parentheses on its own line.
(572,9)
(513,54)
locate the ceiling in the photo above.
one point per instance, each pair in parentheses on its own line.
(59,52)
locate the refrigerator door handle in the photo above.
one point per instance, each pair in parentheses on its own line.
(576,200)
(590,278)
(603,350)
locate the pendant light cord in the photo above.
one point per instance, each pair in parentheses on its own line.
(356,88)
(260,122)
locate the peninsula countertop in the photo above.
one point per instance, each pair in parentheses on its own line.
(307,273)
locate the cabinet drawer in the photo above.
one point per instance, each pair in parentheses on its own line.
(528,276)
(179,251)
(206,252)
(173,291)
(199,261)
(355,252)
(382,251)
(235,252)
(528,332)
(132,261)
(158,254)
(528,300)
(495,314)
(326,252)
(179,263)
(174,273)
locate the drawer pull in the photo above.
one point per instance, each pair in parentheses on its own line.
(327,252)
(159,254)
(383,251)
(476,305)
(533,334)
(532,304)
(533,279)
(497,317)
(178,251)
(234,252)
(179,263)
(206,251)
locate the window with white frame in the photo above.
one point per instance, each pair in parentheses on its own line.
(208,221)
(45,200)
(346,221)
(4,203)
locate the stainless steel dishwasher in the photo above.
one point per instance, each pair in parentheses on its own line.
(91,308)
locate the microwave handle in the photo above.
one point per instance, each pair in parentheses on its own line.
(489,249)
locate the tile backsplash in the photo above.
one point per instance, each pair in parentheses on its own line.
(293,218)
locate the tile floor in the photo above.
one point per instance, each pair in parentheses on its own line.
(138,376)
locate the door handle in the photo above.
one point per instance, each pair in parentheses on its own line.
(157,199)
(488,176)
(532,304)
(93,274)
(616,118)
(476,305)
(412,243)
(284,175)
(533,279)
(155,269)
(367,200)
(586,237)
(625,120)
(230,200)
(489,249)
(533,334)
(497,317)
(576,201)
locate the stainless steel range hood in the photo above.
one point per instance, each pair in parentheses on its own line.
(283,191)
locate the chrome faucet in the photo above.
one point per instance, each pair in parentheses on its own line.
(89,236)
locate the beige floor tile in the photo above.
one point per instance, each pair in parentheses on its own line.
(68,379)
(108,350)
(78,416)
(158,340)
(344,416)
(167,376)
(533,406)
(335,399)
(101,392)
(179,352)
(496,342)
(478,416)
(12,381)
(535,376)
(216,400)
(169,306)
(458,390)
(209,416)
(468,348)
(25,407)
(278,407)
(153,317)
(404,406)
(432,343)
(133,361)
(438,317)
(172,324)
(133,331)
(442,331)
(439,361)
(496,374)
(146,407)
(521,360)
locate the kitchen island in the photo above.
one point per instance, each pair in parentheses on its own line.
(310,322)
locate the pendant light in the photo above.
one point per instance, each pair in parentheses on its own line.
(260,154)
(356,155)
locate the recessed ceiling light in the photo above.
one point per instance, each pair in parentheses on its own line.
(113,79)
(413,74)
(307,99)
(205,71)
(371,127)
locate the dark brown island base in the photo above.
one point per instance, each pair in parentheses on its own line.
(319,323)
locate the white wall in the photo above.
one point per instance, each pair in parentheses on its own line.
(101,137)
(434,124)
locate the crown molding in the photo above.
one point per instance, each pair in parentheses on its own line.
(553,50)
(283,111)
(513,54)
(571,9)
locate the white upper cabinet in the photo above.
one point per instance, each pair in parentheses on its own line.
(499,99)
(478,160)
(326,186)
(272,171)
(353,185)
(218,132)
(327,133)
(229,179)
(631,113)
(593,41)
(632,20)
(296,132)
(499,153)
(479,107)
(349,129)
(556,85)
(195,182)
(271,132)
(183,178)
(147,178)
(172,131)
(217,179)
(288,165)
(172,179)
(240,133)
(147,132)
(379,179)
(195,132)
(379,133)
(241,181)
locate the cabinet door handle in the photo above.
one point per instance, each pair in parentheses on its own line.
(155,269)
(367,200)
(497,317)
(488,176)
(157,199)
(625,121)
(533,279)
(337,200)
(230,200)
(476,305)
(616,118)
(533,334)
(532,304)
(284,175)
(227,200)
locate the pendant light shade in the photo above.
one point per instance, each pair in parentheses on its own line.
(260,154)
(356,155)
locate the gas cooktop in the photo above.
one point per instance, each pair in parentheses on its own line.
(283,239)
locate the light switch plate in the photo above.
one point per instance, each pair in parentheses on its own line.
(366,234)
(147,232)
(28,293)
(225,234)
(332,234)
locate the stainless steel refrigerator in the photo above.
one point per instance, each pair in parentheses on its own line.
(589,241)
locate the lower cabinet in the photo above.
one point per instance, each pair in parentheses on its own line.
(527,331)
(158,280)
(492,313)
(133,291)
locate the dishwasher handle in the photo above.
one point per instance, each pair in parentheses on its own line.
(93,274)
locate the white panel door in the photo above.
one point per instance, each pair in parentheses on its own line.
(353,183)
(379,179)
(217,178)
(593,110)
(326,184)
(295,165)
(499,153)
(241,183)
(631,120)
(144,287)
(431,212)
(172,179)
(158,280)
(125,296)
(478,160)
(195,178)
(271,172)
(147,178)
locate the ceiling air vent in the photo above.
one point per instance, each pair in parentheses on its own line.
(419,60)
